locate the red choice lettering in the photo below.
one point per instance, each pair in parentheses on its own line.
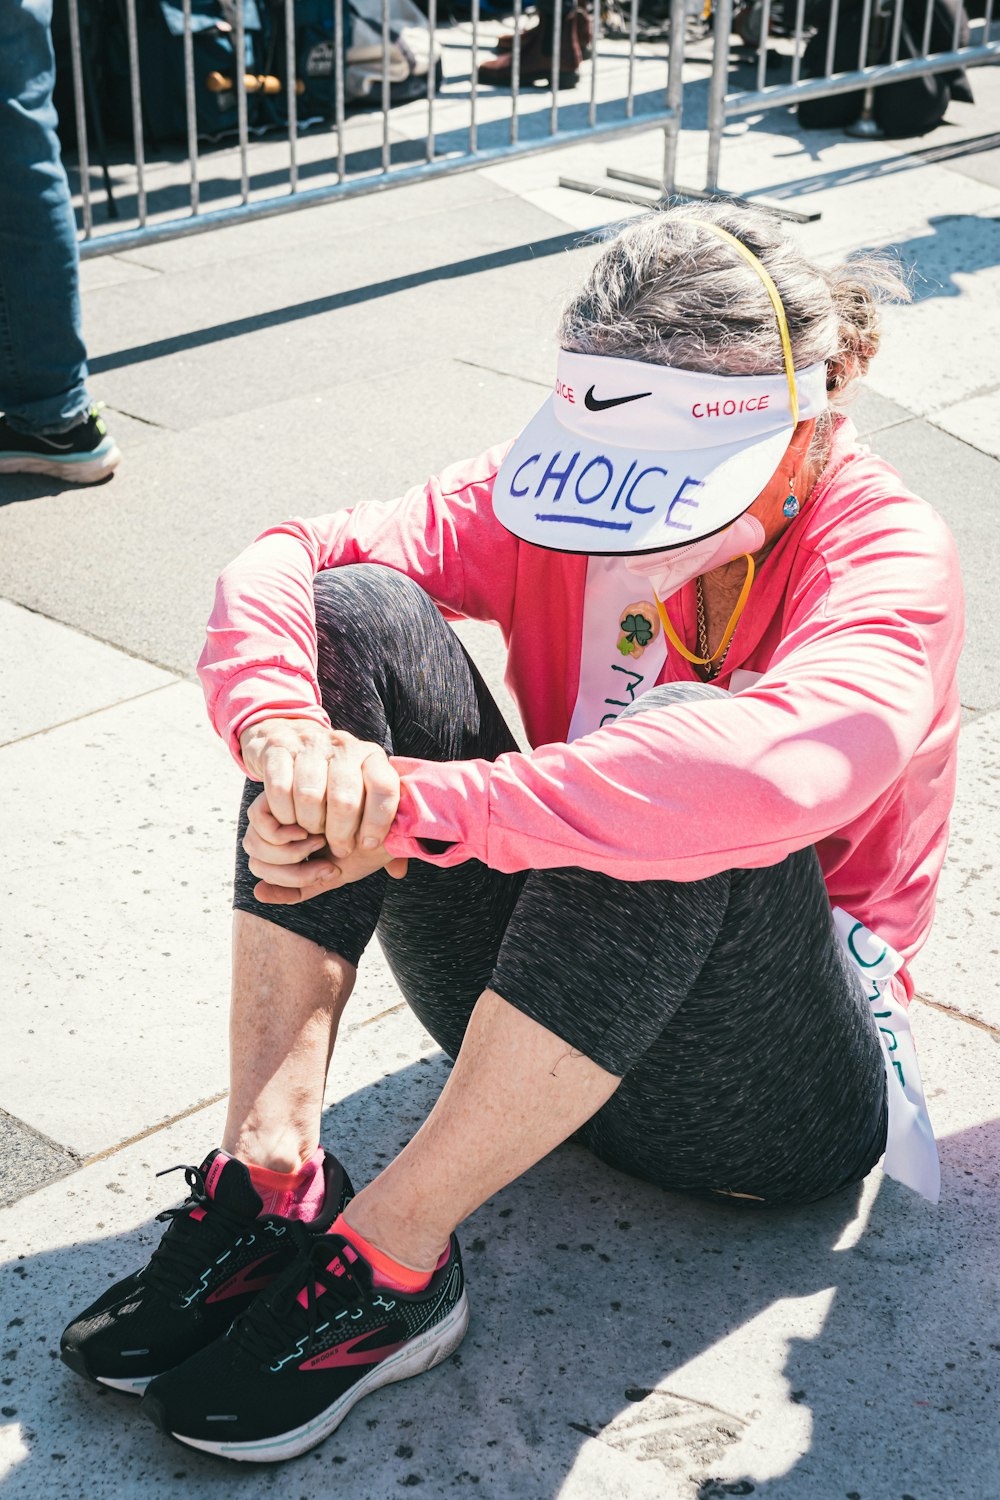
(729,407)
(566,392)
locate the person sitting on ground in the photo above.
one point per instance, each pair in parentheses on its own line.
(733,636)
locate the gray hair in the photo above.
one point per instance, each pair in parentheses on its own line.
(668,292)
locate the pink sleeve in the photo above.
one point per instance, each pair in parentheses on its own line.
(867,655)
(259,659)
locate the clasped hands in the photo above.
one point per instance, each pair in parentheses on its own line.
(327,805)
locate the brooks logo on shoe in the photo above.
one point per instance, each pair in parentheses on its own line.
(593,403)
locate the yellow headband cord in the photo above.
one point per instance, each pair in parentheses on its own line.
(776,303)
(793,397)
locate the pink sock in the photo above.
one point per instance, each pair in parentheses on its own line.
(294,1195)
(386,1271)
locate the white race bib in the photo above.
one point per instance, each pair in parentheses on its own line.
(911,1155)
(623,649)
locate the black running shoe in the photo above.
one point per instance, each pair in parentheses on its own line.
(288,1372)
(86,454)
(218,1254)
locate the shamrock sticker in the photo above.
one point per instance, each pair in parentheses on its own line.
(638,629)
(638,626)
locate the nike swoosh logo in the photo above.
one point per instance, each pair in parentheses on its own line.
(592,403)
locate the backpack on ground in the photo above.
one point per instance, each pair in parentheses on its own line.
(907,108)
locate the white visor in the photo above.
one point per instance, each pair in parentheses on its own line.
(632,457)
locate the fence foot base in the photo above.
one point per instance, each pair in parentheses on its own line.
(621,195)
(865,129)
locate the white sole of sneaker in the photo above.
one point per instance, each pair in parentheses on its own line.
(83,471)
(130,1387)
(418,1355)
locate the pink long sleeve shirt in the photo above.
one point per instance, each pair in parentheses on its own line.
(847,740)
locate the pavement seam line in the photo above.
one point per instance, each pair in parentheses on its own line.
(92,714)
(472,364)
(957,1015)
(980,390)
(142,1135)
(391,1011)
(47,1140)
(146,421)
(89,635)
(956,438)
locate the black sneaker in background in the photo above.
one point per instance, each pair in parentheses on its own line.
(86,454)
(323,1336)
(217,1255)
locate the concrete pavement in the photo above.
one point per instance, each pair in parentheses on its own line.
(624,1342)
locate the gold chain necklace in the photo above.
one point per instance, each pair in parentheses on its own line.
(711,668)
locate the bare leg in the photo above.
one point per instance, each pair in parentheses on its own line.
(288,996)
(515,1092)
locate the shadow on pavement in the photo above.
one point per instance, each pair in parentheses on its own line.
(15,488)
(472,265)
(591,1293)
(956,244)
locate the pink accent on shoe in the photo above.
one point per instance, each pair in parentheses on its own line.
(386,1272)
(243,1282)
(337,1267)
(197,1213)
(347,1354)
(293,1195)
(215,1171)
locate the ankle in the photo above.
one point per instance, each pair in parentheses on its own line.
(282,1152)
(417,1247)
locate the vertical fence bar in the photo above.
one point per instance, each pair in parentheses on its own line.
(338,84)
(866,26)
(765,28)
(239,70)
(925,45)
(83,157)
(956,29)
(675,93)
(595,47)
(717,90)
(291,97)
(633,31)
(190,107)
(136,92)
(431,76)
(557,19)
(831,39)
(515,72)
(987,20)
(800,17)
(474,82)
(386,97)
(897,30)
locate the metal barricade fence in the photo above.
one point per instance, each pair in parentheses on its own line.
(469,145)
(880,20)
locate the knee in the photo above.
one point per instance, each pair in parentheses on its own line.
(670,693)
(367,600)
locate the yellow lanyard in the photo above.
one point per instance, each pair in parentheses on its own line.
(793,397)
(727,635)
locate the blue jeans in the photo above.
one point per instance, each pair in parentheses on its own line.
(43,367)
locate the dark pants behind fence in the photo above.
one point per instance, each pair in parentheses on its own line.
(749,1060)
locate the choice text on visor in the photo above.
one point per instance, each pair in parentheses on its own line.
(599,483)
